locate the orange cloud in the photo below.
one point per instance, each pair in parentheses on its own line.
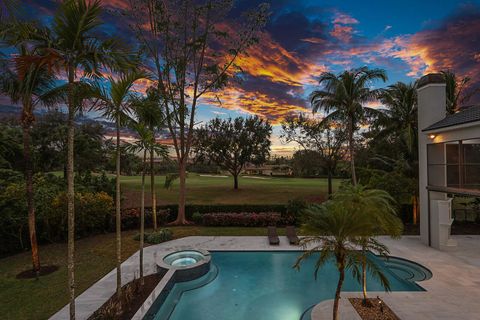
(254,103)
(344,19)
(269,59)
(343,33)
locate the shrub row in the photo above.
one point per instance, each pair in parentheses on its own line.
(244,219)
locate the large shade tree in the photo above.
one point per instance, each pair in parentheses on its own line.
(324,137)
(343,97)
(232,144)
(192,47)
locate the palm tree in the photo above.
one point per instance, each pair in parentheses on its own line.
(377,207)
(343,98)
(24,84)
(145,143)
(337,236)
(455,90)
(115,105)
(400,121)
(71,45)
(149,111)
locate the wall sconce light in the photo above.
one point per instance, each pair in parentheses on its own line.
(432,136)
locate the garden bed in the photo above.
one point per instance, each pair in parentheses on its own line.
(133,296)
(375,309)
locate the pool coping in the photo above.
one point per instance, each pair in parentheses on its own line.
(175,274)
(447,296)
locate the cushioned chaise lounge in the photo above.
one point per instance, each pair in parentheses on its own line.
(292,235)
(272,236)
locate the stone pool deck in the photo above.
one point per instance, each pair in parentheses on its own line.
(452,293)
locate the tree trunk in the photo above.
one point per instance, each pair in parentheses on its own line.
(71,192)
(29,193)
(235,181)
(330,187)
(341,270)
(142,215)
(415,209)
(350,147)
(364,275)
(181,217)
(118,216)
(152,191)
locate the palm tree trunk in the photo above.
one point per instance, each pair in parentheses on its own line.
(350,147)
(415,209)
(29,192)
(341,270)
(142,216)
(364,275)
(71,192)
(118,217)
(152,191)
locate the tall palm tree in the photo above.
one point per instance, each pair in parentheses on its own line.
(455,90)
(116,105)
(377,207)
(149,111)
(343,98)
(336,239)
(400,122)
(71,45)
(143,145)
(25,84)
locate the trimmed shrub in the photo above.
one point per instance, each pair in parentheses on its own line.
(244,219)
(197,218)
(156,237)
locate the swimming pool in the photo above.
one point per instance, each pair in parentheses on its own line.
(260,286)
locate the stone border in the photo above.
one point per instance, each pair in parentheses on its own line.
(174,275)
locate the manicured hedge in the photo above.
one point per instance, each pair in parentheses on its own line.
(245,219)
(226,208)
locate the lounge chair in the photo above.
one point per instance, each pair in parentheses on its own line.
(292,235)
(272,236)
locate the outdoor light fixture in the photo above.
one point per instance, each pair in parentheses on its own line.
(432,136)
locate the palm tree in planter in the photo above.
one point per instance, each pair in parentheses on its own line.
(337,233)
(25,83)
(144,144)
(377,206)
(343,98)
(115,104)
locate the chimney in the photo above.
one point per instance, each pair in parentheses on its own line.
(431,93)
(432,105)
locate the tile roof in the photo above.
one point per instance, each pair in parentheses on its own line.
(466,115)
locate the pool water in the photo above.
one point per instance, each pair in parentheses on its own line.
(261,286)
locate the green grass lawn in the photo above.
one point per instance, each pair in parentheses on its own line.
(95,256)
(203,189)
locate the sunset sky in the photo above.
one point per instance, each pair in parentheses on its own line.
(304,38)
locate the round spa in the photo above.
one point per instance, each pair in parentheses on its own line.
(188,264)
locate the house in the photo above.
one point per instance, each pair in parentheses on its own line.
(449,159)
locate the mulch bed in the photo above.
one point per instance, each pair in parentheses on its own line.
(373,310)
(31,274)
(133,297)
